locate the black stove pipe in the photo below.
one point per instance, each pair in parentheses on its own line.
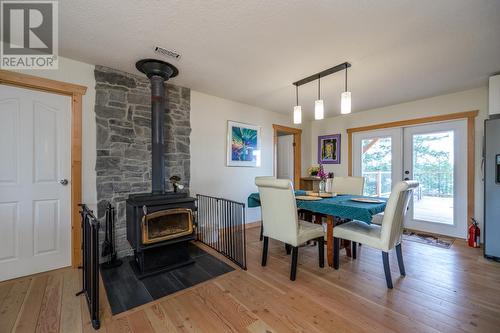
(157,137)
(158,72)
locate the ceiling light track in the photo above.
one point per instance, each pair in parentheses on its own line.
(322,74)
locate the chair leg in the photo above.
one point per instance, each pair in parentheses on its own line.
(264,250)
(387,269)
(321,251)
(261,231)
(295,254)
(336,250)
(354,250)
(347,245)
(288,248)
(401,264)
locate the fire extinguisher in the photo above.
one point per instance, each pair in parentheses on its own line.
(474,234)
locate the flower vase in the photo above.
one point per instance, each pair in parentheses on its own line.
(322,186)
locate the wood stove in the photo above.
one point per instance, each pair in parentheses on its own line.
(159,224)
(159,228)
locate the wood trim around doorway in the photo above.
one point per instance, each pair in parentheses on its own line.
(297,150)
(469,115)
(75,92)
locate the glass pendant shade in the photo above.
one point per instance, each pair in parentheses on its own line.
(345,102)
(297,114)
(319,109)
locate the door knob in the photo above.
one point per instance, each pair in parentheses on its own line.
(63,182)
(407,178)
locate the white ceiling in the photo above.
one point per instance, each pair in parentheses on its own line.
(252,50)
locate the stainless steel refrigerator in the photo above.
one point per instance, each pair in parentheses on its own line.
(492,188)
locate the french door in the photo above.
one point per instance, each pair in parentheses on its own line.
(378,158)
(432,154)
(436,156)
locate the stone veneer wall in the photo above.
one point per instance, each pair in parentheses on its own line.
(123,164)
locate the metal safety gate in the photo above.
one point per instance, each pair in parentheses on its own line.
(90,265)
(221,226)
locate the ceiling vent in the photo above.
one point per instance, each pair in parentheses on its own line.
(167,53)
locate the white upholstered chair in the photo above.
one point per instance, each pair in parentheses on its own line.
(378,218)
(261,236)
(346,185)
(382,237)
(281,222)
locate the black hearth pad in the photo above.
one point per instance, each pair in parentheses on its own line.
(125,291)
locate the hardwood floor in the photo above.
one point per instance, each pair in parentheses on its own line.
(445,290)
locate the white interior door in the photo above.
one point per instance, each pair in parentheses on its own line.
(435,155)
(35,226)
(284,157)
(377,156)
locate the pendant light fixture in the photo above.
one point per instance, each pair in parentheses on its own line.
(319,108)
(297,109)
(345,98)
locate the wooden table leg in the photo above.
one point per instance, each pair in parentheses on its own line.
(329,239)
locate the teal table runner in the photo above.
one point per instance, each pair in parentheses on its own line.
(254,198)
(340,206)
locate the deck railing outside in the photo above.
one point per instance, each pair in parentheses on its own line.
(377,183)
(432,184)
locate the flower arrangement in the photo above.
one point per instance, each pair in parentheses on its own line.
(321,173)
(313,170)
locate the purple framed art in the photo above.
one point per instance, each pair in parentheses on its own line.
(329,149)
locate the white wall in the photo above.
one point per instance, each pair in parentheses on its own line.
(469,100)
(209,115)
(306,143)
(209,173)
(83,74)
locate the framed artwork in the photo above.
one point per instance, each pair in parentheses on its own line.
(243,145)
(329,149)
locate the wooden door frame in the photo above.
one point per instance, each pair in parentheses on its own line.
(297,150)
(471,127)
(75,92)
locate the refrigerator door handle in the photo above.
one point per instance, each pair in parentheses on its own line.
(482,169)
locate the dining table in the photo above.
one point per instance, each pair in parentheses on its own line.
(336,209)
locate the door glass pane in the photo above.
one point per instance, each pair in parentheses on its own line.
(376,166)
(433,168)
